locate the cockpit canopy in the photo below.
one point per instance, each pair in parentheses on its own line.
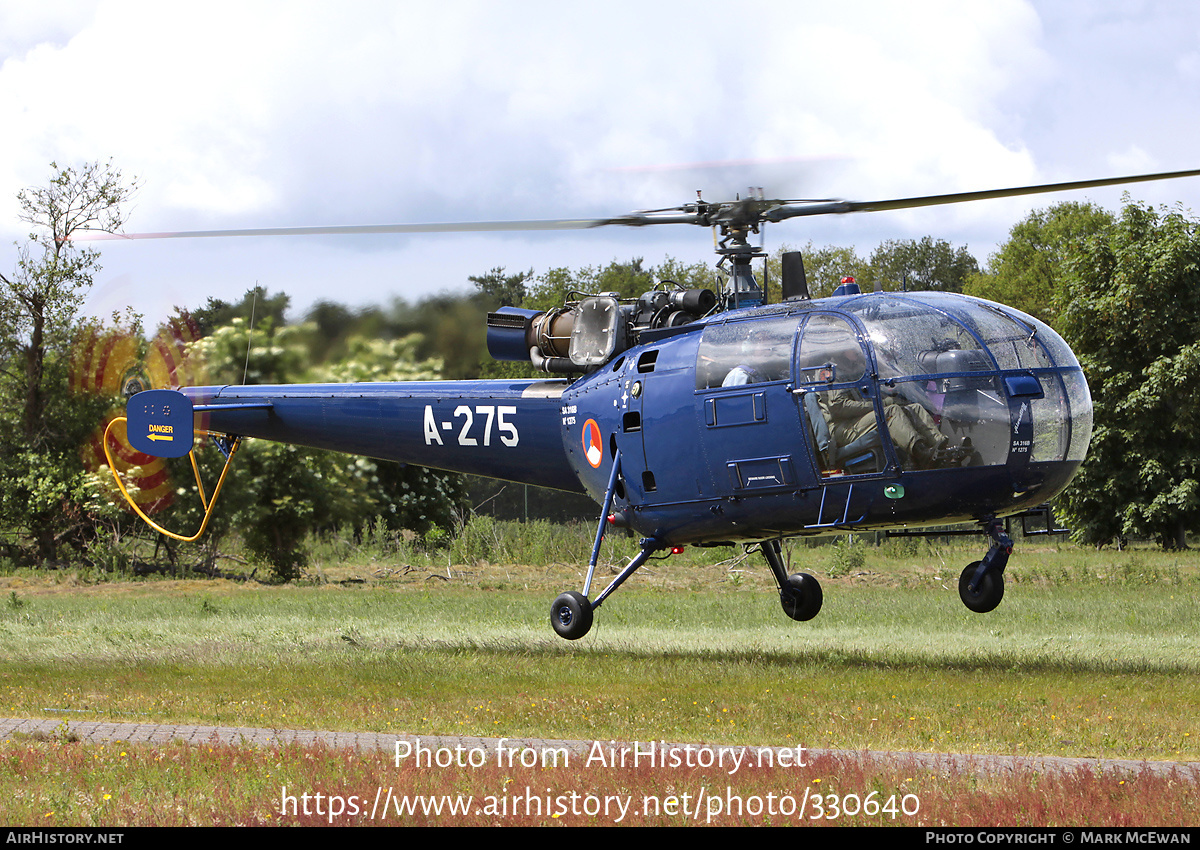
(958,362)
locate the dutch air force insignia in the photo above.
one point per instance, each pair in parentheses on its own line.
(593,449)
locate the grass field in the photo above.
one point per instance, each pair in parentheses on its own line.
(1090,654)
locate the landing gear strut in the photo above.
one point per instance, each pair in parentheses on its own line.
(800,593)
(981,585)
(571,613)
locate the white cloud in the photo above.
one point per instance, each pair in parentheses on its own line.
(260,114)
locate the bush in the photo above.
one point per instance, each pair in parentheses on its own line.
(847,557)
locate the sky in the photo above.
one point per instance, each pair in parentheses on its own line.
(257,114)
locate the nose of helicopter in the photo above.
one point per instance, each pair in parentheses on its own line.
(979,384)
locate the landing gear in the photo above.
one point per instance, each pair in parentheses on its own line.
(572,612)
(981,585)
(801,597)
(799,594)
(571,615)
(983,594)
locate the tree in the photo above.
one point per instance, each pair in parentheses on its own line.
(824,268)
(42,297)
(277,494)
(925,264)
(895,264)
(333,323)
(39,305)
(255,306)
(698,275)
(1026,272)
(500,289)
(629,280)
(1130,308)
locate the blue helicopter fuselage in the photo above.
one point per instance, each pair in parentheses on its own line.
(869,411)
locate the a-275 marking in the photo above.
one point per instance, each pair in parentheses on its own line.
(506,431)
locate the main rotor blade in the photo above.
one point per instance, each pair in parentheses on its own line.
(678,215)
(323,230)
(838,207)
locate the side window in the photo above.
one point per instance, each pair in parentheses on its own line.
(830,352)
(842,422)
(748,352)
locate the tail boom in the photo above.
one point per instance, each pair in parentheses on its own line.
(498,429)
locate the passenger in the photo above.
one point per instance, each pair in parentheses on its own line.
(752,359)
(851,416)
(742,374)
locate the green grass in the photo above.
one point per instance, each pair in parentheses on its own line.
(1090,654)
(1082,669)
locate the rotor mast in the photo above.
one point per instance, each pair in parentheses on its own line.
(742,289)
(732,224)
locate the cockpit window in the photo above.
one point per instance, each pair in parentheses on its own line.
(911,339)
(1016,340)
(949,392)
(830,352)
(748,352)
(1015,344)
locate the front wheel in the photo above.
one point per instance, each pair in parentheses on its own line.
(571,615)
(801,596)
(987,595)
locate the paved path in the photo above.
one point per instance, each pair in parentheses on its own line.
(163,733)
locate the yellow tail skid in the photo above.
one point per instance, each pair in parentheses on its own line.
(208,504)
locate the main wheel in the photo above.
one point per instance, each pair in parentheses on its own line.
(985,597)
(801,596)
(571,615)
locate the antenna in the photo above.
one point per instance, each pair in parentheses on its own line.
(250,333)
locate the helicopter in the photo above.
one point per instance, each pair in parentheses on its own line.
(701,418)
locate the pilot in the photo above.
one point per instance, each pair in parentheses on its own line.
(851,416)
